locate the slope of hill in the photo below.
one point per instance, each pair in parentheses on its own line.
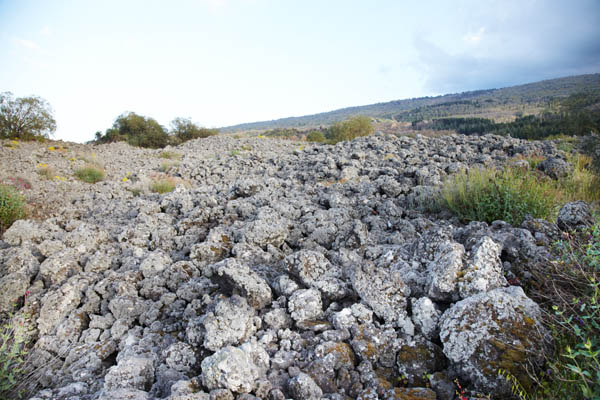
(501,105)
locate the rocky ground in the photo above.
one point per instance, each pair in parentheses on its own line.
(274,270)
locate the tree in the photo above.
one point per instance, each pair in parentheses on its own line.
(350,129)
(25,117)
(316,136)
(136,130)
(184,129)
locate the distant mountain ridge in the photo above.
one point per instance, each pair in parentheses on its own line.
(489,102)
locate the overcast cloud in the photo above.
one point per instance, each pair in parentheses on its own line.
(522,42)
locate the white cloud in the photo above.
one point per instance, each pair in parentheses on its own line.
(474,37)
(28,44)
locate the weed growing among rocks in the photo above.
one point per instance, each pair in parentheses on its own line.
(12,206)
(163,185)
(569,288)
(90,174)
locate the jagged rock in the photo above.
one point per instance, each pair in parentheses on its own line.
(382,290)
(575,215)
(125,394)
(57,305)
(305,259)
(277,319)
(418,358)
(315,271)
(12,287)
(425,316)
(303,386)
(484,271)
(180,357)
(491,330)
(231,322)
(245,281)
(444,272)
(130,373)
(229,368)
(23,231)
(305,304)
(555,168)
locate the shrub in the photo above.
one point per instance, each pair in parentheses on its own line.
(350,129)
(184,129)
(168,165)
(12,353)
(46,172)
(90,174)
(170,155)
(12,206)
(316,136)
(163,185)
(568,287)
(136,130)
(490,194)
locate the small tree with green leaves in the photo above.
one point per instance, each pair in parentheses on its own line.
(136,130)
(25,118)
(183,129)
(350,129)
(316,136)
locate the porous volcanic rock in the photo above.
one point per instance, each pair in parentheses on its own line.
(274,270)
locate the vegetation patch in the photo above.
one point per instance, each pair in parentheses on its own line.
(170,155)
(510,194)
(168,166)
(490,195)
(45,171)
(12,357)
(12,206)
(90,174)
(162,185)
(316,136)
(567,286)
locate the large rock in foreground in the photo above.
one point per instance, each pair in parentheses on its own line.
(495,330)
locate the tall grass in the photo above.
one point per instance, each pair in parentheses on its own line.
(512,193)
(12,206)
(90,174)
(490,194)
(568,287)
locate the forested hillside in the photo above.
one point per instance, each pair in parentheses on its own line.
(499,105)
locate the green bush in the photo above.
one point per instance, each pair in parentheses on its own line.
(183,129)
(90,174)
(350,129)
(568,287)
(136,130)
(12,357)
(316,136)
(170,155)
(163,185)
(490,195)
(12,206)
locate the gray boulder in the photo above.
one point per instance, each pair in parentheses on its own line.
(555,168)
(492,330)
(303,387)
(305,304)
(575,215)
(383,291)
(229,368)
(130,373)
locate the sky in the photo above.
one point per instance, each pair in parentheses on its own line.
(224,62)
